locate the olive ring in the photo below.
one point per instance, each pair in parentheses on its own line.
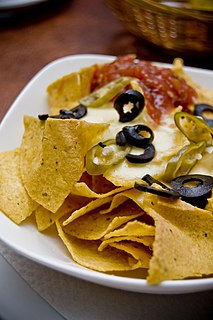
(134,97)
(196,193)
(200,109)
(76,113)
(135,138)
(146,156)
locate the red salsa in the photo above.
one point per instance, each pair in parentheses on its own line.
(163,89)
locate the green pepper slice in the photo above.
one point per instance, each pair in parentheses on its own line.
(194,128)
(104,94)
(183,162)
(103,155)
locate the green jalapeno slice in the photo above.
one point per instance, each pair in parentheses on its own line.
(103,155)
(104,94)
(184,161)
(194,128)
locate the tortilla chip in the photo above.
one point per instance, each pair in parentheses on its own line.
(119,198)
(65,92)
(81,188)
(137,250)
(86,75)
(14,199)
(133,228)
(93,186)
(97,203)
(52,157)
(204,95)
(146,240)
(45,218)
(94,226)
(183,245)
(209,205)
(86,254)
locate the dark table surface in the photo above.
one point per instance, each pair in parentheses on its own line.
(32,37)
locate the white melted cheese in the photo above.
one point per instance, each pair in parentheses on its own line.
(205,164)
(167,141)
(126,173)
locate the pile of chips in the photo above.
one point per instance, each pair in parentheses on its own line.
(105,227)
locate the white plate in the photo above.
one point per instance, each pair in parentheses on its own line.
(45,248)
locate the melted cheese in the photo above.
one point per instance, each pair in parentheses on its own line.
(167,141)
(205,164)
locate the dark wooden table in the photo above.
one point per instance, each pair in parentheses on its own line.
(31,38)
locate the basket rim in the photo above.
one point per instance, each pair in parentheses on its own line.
(158,7)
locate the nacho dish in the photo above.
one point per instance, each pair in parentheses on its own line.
(122,167)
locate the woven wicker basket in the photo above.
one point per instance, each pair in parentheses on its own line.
(173,26)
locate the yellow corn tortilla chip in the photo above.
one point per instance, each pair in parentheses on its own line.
(183,245)
(65,92)
(133,228)
(14,199)
(97,203)
(45,218)
(93,225)
(204,95)
(146,240)
(137,250)
(86,75)
(101,185)
(121,197)
(81,188)
(86,254)
(92,186)
(52,157)
(209,205)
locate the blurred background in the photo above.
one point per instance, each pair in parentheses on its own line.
(34,33)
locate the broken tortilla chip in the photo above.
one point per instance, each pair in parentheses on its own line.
(87,255)
(137,250)
(94,204)
(183,245)
(146,240)
(133,228)
(45,218)
(52,157)
(65,92)
(94,225)
(81,188)
(14,199)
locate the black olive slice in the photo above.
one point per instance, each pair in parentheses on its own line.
(199,111)
(120,139)
(150,180)
(194,188)
(75,113)
(133,97)
(139,135)
(146,156)
(167,192)
(102,145)
(43,116)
